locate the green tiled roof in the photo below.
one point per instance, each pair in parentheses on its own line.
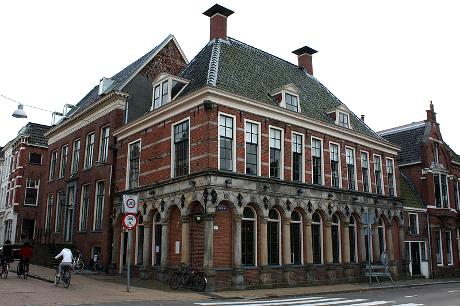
(408,194)
(241,69)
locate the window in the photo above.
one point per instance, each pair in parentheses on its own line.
(436,153)
(368,242)
(134,155)
(161,96)
(273,236)
(437,239)
(441,191)
(89,151)
(226,143)
(352,233)
(296,238)
(157,235)
(35,158)
(68,213)
(449,247)
(335,235)
(49,211)
(351,168)
(99,207)
(381,235)
(423,256)
(316,155)
(378,174)
(316,231)
(248,237)
(63,164)
(297,157)
(335,165)
(104,145)
(252,148)
(292,102)
(53,162)
(140,240)
(456,195)
(344,120)
(60,202)
(275,153)
(181,148)
(413,224)
(391,178)
(8,229)
(32,186)
(75,156)
(84,207)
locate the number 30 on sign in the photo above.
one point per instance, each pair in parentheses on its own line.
(129,221)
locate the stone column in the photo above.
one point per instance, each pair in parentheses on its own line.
(208,256)
(115,249)
(362,243)
(346,243)
(375,244)
(185,254)
(265,277)
(308,243)
(328,242)
(238,273)
(164,243)
(389,238)
(286,241)
(146,270)
(402,251)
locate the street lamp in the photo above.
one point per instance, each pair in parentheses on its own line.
(20,113)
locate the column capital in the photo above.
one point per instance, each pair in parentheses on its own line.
(185,219)
(345,224)
(263,220)
(147,224)
(286,221)
(237,218)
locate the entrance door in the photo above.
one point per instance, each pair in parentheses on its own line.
(415,258)
(28,228)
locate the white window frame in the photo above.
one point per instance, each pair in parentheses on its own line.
(173,153)
(439,249)
(331,143)
(283,100)
(450,261)
(394,176)
(159,82)
(457,204)
(106,149)
(128,161)
(49,213)
(259,145)
(355,231)
(81,207)
(301,236)
(95,205)
(322,158)
(281,153)
(369,177)
(339,112)
(53,166)
(280,255)
(85,164)
(255,234)
(321,235)
(302,179)
(339,236)
(57,217)
(61,165)
(233,142)
(381,174)
(37,186)
(416,222)
(75,164)
(355,175)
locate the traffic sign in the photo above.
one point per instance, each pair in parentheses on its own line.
(129,221)
(130,203)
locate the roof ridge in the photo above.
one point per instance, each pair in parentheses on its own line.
(213,64)
(402,128)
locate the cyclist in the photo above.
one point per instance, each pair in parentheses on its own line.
(67,258)
(7,254)
(25,254)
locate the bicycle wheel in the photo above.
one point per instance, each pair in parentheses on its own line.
(198,282)
(25,272)
(57,277)
(174,281)
(66,279)
(98,267)
(79,265)
(19,269)
(5,271)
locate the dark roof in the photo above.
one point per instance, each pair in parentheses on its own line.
(304,50)
(455,157)
(410,139)
(218,9)
(36,133)
(408,194)
(2,154)
(241,69)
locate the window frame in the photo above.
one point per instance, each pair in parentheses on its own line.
(302,171)
(382,186)
(128,163)
(301,226)
(270,127)
(278,226)
(63,161)
(75,156)
(285,93)
(355,174)
(395,193)
(322,160)
(37,187)
(254,220)
(84,228)
(234,128)
(417,228)
(321,237)
(345,114)
(53,164)
(49,211)
(87,165)
(96,195)
(449,249)
(443,195)
(58,220)
(103,154)
(439,250)
(173,147)
(32,163)
(331,143)
(339,238)
(355,240)
(259,146)
(159,82)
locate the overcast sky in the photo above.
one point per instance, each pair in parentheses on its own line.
(385,59)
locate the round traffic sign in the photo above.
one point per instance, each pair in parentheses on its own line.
(131,203)
(129,221)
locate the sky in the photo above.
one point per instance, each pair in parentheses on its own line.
(384,59)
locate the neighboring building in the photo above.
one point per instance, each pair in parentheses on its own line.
(22,181)
(433,168)
(82,151)
(249,168)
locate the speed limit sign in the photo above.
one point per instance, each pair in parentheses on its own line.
(129,221)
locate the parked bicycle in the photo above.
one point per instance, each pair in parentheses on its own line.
(96,264)
(77,264)
(4,269)
(22,269)
(64,277)
(187,277)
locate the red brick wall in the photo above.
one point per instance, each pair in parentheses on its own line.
(223,237)
(175,234)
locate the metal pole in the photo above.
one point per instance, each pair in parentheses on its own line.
(128,261)
(369,250)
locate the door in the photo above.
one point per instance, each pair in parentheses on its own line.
(28,228)
(415,258)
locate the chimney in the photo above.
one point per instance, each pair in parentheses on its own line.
(362,118)
(304,56)
(218,21)
(430,114)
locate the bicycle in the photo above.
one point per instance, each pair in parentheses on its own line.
(97,265)
(5,268)
(22,269)
(65,276)
(188,277)
(77,264)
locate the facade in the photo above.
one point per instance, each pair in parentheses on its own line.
(22,181)
(82,150)
(433,169)
(247,167)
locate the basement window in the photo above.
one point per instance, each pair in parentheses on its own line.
(166,88)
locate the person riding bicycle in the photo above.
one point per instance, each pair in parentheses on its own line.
(7,252)
(25,254)
(67,258)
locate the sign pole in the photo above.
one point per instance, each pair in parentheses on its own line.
(128,261)
(369,231)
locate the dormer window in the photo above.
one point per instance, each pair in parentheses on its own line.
(340,115)
(344,119)
(166,88)
(292,102)
(287,97)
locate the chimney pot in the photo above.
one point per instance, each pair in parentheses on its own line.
(362,118)
(430,113)
(304,56)
(218,21)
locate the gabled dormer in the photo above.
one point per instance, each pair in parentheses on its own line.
(287,97)
(166,87)
(341,116)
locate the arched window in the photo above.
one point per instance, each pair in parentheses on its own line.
(317,237)
(273,237)
(368,242)
(296,238)
(381,233)
(157,239)
(352,237)
(335,235)
(140,240)
(248,237)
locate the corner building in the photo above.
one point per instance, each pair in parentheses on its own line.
(248,167)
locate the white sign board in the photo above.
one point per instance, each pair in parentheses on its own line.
(130,203)
(129,221)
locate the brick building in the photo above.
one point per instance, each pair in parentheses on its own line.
(82,151)
(433,168)
(248,167)
(22,181)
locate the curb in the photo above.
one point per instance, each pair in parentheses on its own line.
(41,278)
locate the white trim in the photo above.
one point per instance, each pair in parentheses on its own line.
(255,220)
(280,254)
(95,205)
(337,118)
(128,160)
(340,162)
(48,215)
(449,246)
(301,230)
(395,191)
(87,137)
(81,206)
(355,174)
(234,128)
(173,155)
(259,145)
(61,169)
(414,209)
(322,159)
(72,170)
(402,128)
(439,249)
(302,178)
(410,164)
(417,226)
(381,174)
(281,153)
(37,186)
(321,236)
(339,236)
(100,143)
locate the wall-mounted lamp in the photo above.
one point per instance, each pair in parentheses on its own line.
(300,191)
(192,183)
(228,182)
(266,187)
